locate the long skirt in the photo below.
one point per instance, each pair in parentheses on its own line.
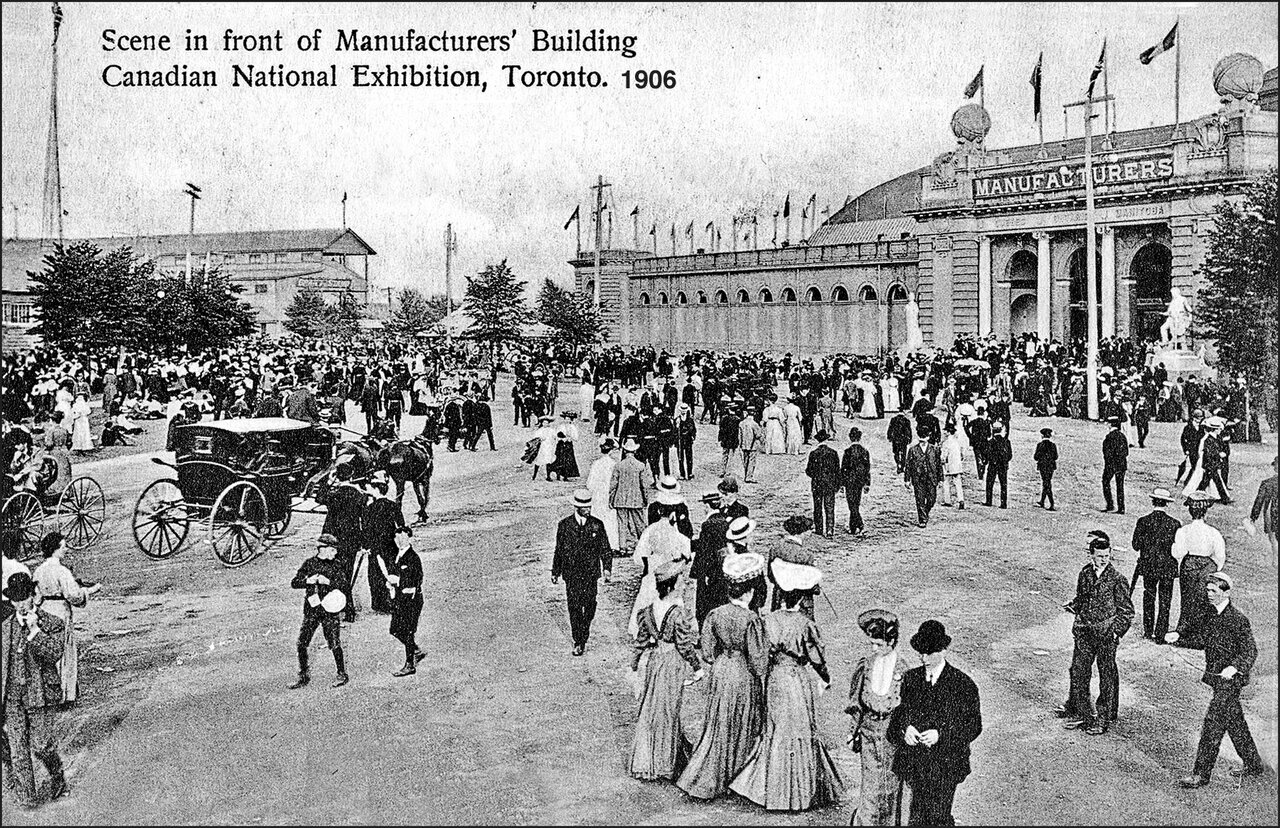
(880,796)
(661,748)
(69,664)
(730,728)
(1194,606)
(631,524)
(789,769)
(775,439)
(566,462)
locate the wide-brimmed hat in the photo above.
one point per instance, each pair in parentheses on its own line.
(879,623)
(797,525)
(1161,494)
(582,497)
(740,529)
(608,444)
(20,587)
(1215,423)
(1199,498)
(668,491)
(742,566)
(667,571)
(630,444)
(792,577)
(930,638)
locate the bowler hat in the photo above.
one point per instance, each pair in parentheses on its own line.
(20,587)
(930,638)
(327,540)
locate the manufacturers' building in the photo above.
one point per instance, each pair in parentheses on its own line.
(979,241)
(272,266)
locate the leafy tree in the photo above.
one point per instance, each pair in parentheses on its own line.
(495,298)
(416,312)
(1238,300)
(574,317)
(89,298)
(207,313)
(307,315)
(344,317)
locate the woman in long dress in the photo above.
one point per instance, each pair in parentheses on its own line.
(565,464)
(789,768)
(81,435)
(666,658)
(660,544)
(874,692)
(889,390)
(547,436)
(868,390)
(734,644)
(60,592)
(775,435)
(794,434)
(598,481)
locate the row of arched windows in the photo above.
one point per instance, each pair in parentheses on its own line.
(866,293)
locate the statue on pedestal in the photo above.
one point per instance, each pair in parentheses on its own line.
(1174,330)
(915,337)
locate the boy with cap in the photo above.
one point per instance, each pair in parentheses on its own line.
(1103,612)
(404,576)
(1153,540)
(582,552)
(321,577)
(1046,458)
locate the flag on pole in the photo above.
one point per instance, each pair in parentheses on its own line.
(653,231)
(636,211)
(57,20)
(1035,85)
(710,225)
(1097,69)
(344,201)
(571,220)
(1170,40)
(976,83)
(786,207)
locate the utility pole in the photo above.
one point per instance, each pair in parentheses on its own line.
(450,247)
(1090,253)
(388,290)
(193,191)
(599,188)
(15,221)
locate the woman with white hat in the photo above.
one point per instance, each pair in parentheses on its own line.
(547,437)
(789,768)
(669,498)
(666,655)
(660,543)
(734,644)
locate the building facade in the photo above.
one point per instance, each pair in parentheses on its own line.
(271,266)
(980,241)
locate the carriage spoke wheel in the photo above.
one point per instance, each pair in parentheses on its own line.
(82,510)
(160,519)
(238,524)
(22,525)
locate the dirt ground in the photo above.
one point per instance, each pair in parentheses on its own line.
(185,716)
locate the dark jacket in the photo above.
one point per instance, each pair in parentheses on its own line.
(581,552)
(1228,640)
(824,468)
(999,451)
(483,416)
(1046,455)
(42,653)
(1102,602)
(951,707)
(929,425)
(303,406)
(409,568)
(729,430)
(268,406)
(979,429)
(899,430)
(855,467)
(1153,540)
(314,565)
(923,467)
(344,507)
(1115,450)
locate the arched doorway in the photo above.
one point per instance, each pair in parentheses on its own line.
(1077,272)
(1152,273)
(1021,273)
(1022,314)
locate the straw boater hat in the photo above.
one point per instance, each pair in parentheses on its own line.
(1215,423)
(630,444)
(668,491)
(741,567)
(793,577)
(1161,494)
(1225,579)
(582,498)
(740,529)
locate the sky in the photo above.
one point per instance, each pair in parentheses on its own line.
(768,99)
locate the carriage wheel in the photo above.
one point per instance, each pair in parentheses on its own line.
(82,510)
(160,519)
(278,528)
(238,524)
(22,525)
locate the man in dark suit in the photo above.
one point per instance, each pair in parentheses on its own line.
(824,481)
(728,434)
(707,560)
(1229,654)
(1046,458)
(855,474)
(371,402)
(999,454)
(582,552)
(1153,540)
(302,404)
(344,515)
(453,421)
(922,472)
(900,438)
(1115,461)
(469,432)
(979,436)
(481,423)
(940,715)
(1103,613)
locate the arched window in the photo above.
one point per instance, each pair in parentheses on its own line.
(681,299)
(644,298)
(765,295)
(897,293)
(722,298)
(813,295)
(662,298)
(743,297)
(839,294)
(866,293)
(788,295)
(702,297)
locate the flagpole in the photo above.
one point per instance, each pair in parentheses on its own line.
(1177,77)
(635,228)
(1106,93)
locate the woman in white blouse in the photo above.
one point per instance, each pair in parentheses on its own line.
(60,591)
(874,692)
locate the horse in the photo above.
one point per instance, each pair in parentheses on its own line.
(404,461)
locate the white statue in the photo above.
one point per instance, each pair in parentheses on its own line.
(1174,329)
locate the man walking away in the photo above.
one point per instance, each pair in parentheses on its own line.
(1046,458)
(999,453)
(751,443)
(1153,541)
(900,438)
(1115,461)
(855,473)
(823,470)
(979,437)
(729,422)
(952,468)
(922,472)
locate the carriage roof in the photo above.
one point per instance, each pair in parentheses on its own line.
(253,425)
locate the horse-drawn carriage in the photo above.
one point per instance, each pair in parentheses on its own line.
(242,478)
(80,510)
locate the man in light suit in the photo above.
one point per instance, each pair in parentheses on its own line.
(582,553)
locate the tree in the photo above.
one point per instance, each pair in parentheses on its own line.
(207,313)
(307,315)
(574,317)
(344,317)
(88,298)
(1238,300)
(416,312)
(495,298)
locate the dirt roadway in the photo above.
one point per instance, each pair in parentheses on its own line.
(185,717)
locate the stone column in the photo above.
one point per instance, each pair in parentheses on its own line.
(1107,296)
(1044,286)
(984,285)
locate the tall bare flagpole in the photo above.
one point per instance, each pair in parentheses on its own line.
(599,188)
(53,167)
(1177,77)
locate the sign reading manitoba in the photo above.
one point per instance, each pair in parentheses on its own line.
(1071,177)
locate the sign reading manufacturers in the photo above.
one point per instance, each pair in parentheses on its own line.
(1071,177)
(322,283)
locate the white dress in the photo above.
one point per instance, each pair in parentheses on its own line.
(868,390)
(775,436)
(660,543)
(586,395)
(598,480)
(81,436)
(547,449)
(889,389)
(795,436)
